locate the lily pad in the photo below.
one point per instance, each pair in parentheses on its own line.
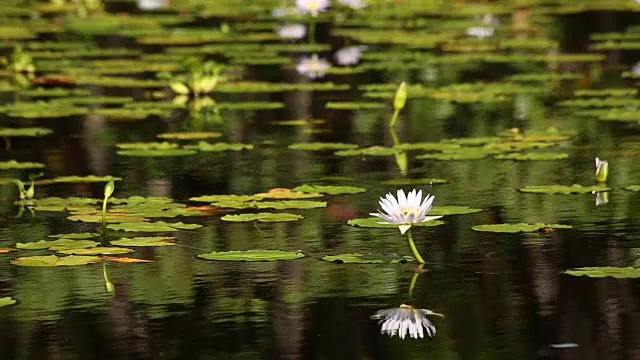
(283,193)
(452,210)
(322,146)
(564,189)
(519,227)
(145,241)
(75,236)
(195,135)
(351,105)
(60,244)
(53,260)
(370,151)
(434,146)
(329,189)
(148,146)
(473,141)
(223,198)
(253,255)
(263,217)
(7,301)
(101,250)
(372,222)
(158,226)
(31,131)
(12,164)
(220,146)
(355,258)
(459,154)
(86,179)
(125,260)
(532,156)
(410,181)
(606,271)
(633,188)
(157,153)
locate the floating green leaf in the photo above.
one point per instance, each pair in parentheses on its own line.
(158,226)
(370,151)
(145,241)
(474,153)
(532,156)
(220,146)
(101,250)
(86,179)
(351,105)
(223,198)
(356,258)
(452,210)
(322,146)
(194,135)
(606,271)
(12,164)
(433,146)
(262,217)
(329,189)
(253,255)
(519,227)
(564,189)
(473,141)
(157,153)
(633,188)
(75,236)
(283,193)
(52,260)
(148,146)
(7,301)
(60,244)
(31,131)
(372,222)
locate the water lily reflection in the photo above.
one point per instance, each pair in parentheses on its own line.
(312,7)
(602,198)
(292,31)
(313,67)
(349,55)
(405,320)
(405,210)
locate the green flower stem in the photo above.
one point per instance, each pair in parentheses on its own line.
(104,211)
(394,118)
(413,247)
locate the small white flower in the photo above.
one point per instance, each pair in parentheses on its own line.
(312,7)
(354,4)
(406,210)
(480,31)
(405,320)
(600,164)
(313,67)
(636,68)
(292,31)
(602,170)
(349,55)
(152,4)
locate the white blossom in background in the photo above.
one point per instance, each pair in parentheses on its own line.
(357,4)
(292,31)
(636,68)
(312,7)
(349,55)
(284,11)
(313,67)
(152,4)
(486,27)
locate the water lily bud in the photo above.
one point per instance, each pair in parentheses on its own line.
(108,287)
(401,97)
(602,170)
(179,88)
(108,189)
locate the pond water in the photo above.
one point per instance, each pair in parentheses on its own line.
(241,125)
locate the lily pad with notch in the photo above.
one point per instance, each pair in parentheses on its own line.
(518,227)
(60,244)
(158,226)
(100,250)
(253,255)
(356,258)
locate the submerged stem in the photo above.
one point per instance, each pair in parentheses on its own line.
(413,248)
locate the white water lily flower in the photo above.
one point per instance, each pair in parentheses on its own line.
(602,170)
(406,210)
(313,67)
(349,55)
(405,320)
(312,7)
(292,31)
(354,4)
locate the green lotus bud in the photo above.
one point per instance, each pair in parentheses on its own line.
(602,170)
(401,97)
(179,88)
(108,189)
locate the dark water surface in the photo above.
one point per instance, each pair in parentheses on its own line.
(503,296)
